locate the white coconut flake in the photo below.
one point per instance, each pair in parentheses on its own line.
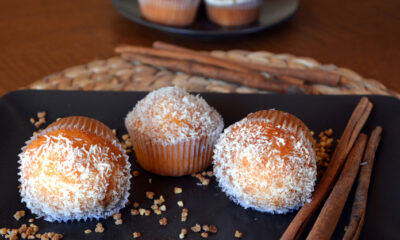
(255,169)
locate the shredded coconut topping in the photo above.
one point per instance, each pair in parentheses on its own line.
(65,177)
(267,162)
(171,115)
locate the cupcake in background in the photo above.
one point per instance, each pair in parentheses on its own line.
(233,13)
(176,13)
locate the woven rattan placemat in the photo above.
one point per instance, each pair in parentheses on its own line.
(117,74)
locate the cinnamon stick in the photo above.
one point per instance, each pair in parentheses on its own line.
(361,195)
(247,79)
(353,127)
(291,80)
(179,55)
(358,231)
(329,216)
(311,75)
(172,47)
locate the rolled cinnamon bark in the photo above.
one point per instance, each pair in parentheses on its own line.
(247,79)
(179,55)
(361,196)
(311,74)
(353,127)
(169,46)
(329,216)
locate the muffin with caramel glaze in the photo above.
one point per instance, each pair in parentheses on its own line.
(267,162)
(75,169)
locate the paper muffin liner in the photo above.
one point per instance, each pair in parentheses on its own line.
(88,125)
(169,12)
(299,188)
(242,4)
(233,13)
(174,159)
(286,121)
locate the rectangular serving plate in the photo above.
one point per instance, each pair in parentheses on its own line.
(206,204)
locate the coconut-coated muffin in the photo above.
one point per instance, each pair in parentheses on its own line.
(173,132)
(74,169)
(176,13)
(266,162)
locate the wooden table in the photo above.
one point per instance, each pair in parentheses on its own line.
(42,37)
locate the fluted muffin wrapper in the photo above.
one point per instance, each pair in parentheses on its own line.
(86,124)
(174,159)
(169,12)
(91,126)
(178,4)
(292,124)
(234,4)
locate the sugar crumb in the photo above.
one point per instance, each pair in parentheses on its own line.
(183,233)
(238,234)
(163,221)
(99,228)
(177,190)
(196,228)
(150,195)
(19,214)
(137,235)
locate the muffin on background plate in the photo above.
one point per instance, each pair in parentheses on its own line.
(267,162)
(173,132)
(233,13)
(178,13)
(74,169)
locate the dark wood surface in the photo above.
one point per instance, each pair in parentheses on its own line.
(46,36)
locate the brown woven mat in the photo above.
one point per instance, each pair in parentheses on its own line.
(116,74)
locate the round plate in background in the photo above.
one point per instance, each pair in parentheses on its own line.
(272,13)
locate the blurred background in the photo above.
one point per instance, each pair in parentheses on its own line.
(46,36)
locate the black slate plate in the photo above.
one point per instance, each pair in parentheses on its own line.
(272,13)
(207,205)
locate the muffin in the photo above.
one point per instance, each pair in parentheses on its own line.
(173,132)
(75,169)
(176,13)
(266,162)
(233,13)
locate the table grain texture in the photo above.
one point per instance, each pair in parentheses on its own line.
(39,37)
